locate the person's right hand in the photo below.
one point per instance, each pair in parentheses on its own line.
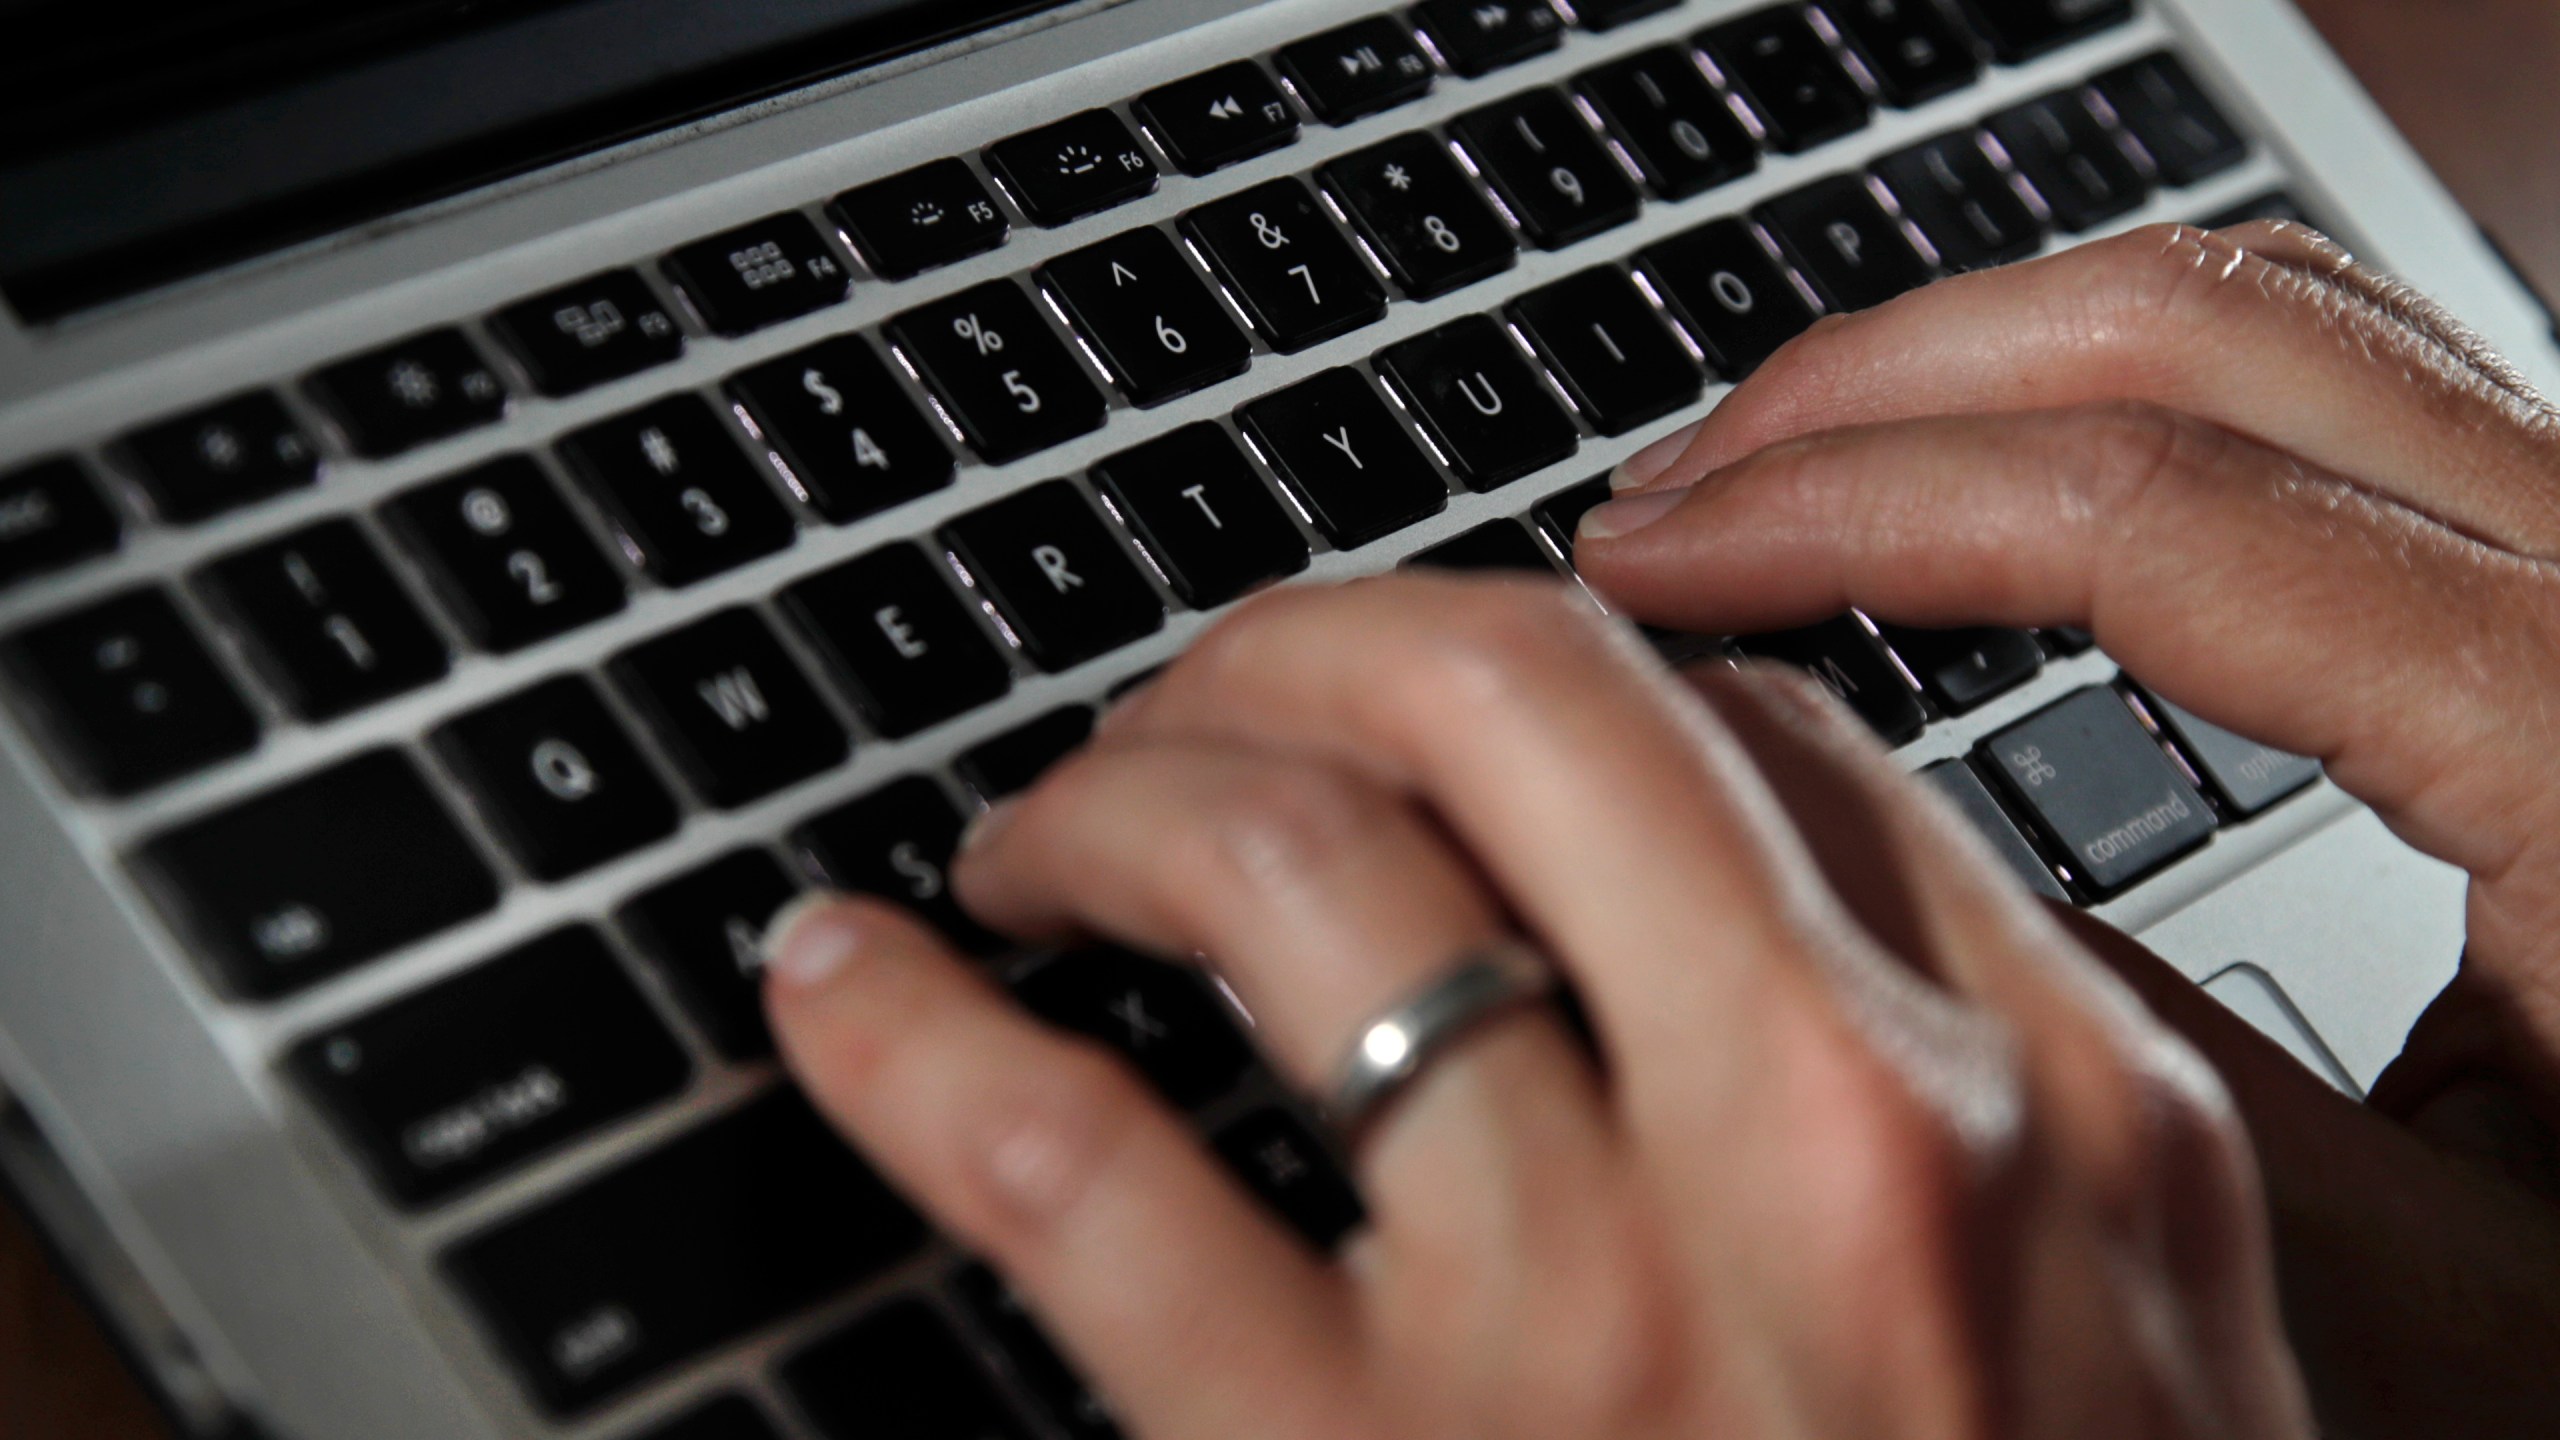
(2299,501)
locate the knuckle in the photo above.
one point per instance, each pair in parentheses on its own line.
(1495,641)
(1278,822)
(1040,1147)
(2120,452)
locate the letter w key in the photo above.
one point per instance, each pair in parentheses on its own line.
(734,711)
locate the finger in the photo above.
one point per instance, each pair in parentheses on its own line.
(1054,1161)
(1567,764)
(1325,900)
(2278,602)
(2395,1269)
(2259,331)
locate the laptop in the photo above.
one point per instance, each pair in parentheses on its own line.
(496,498)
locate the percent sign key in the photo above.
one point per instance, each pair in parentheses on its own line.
(1005,379)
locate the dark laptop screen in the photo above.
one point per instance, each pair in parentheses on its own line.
(141,144)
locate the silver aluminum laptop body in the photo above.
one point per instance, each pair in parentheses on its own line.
(218,1217)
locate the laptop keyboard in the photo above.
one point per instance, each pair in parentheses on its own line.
(647,1266)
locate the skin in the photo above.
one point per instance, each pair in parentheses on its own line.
(1866,1141)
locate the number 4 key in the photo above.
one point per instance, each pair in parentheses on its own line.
(849,438)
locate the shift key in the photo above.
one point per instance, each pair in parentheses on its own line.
(2101,789)
(755,1215)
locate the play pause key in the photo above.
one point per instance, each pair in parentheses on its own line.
(2101,789)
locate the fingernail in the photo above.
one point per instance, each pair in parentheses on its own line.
(809,940)
(986,825)
(1614,518)
(1646,465)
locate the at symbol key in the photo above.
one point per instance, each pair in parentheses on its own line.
(1000,371)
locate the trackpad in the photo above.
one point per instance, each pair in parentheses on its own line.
(2254,995)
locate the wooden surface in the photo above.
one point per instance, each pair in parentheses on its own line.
(2469,81)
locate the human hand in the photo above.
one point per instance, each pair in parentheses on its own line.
(1863,1144)
(2298,500)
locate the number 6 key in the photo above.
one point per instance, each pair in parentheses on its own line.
(1157,328)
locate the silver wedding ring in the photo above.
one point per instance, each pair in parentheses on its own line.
(1396,1046)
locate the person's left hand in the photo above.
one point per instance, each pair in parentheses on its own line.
(1863,1143)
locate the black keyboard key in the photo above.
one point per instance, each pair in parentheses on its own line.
(1354,470)
(899,1371)
(1360,69)
(761,274)
(1774,59)
(1549,167)
(903,642)
(686,499)
(1421,215)
(52,516)
(222,457)
(921,219)
(852,441)
(704,931)
(2248,776)
(895,843)
(1478,37)
(2189,137)
(1281,1160)
(1609,347)
(1610,14)
(1054,1385)
(2073,159)
(323,874)
(732,708)
(2061,641)
(1560,514)
(402,396)
(1051,568)
(2020,30)
(1490,413)
(1157,329)
(1739,306)
(730,1417)
(126,695)
(1678,128)
(1911,48)
(471,1077)
(1299,281)
(752,1216)
(1014,761)
(332,631)
(1957,781)
(2274,205)
(1497,546)
(579,336)
(1002,372)
(1842,239)
(1848,661)
(1965,668)
(1219,118)
(1965,204)
(558,779)
(1202,514)
(2100,789)
(1163,1018)
(1073,168)
(509,560)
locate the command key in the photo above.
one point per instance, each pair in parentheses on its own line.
(2100,789)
